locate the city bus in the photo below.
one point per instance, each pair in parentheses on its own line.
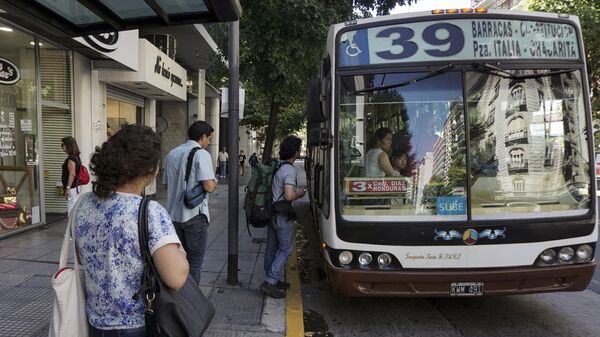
(450,154)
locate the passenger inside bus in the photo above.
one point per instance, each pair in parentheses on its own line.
(378,161)
(400,164)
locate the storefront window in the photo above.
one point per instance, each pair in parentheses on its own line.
(120,113)
(55,76)
(19,190)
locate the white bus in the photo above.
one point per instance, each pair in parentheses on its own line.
(450,154)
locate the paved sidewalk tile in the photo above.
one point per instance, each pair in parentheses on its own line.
(29,259)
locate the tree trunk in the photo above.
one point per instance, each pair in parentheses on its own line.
(270,133)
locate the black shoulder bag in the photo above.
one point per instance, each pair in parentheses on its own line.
(196,195)
(170,313)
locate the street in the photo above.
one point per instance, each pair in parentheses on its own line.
(326,314)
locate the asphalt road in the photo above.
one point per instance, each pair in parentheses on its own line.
(326,314)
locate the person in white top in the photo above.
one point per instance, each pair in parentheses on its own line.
(223,158)
(377,160)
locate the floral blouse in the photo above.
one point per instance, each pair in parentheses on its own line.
(107,238)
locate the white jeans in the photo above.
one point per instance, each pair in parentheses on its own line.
(72,199)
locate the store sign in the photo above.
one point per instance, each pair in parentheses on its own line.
(158,77)
(448,40)
(165,71)
(118,46)
(9,73)
(161,71)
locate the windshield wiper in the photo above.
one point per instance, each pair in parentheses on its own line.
(488,68)
(404,83)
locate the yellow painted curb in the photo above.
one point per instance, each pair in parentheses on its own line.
(294,313)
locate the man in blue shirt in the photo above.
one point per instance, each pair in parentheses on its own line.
(191,224)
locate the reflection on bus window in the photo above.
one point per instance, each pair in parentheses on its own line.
(402,150)
(528,144)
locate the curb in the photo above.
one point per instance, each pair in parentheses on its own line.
(294,313)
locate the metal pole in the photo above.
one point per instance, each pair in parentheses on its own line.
(233,140)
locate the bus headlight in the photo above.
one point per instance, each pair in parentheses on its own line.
(345,257)
(548,256)
(365,259)
(384,260)
(584,252)
(566,254)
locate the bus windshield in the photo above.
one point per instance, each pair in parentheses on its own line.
(403,150)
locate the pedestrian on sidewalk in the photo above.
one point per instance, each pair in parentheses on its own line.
(281,233)
(70,169)
(191,224)
(223,157)
(106,234)
(242,159)
(253,160)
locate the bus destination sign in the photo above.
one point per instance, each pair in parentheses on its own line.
(379,186)
(453,40)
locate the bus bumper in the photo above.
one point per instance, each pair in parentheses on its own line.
(424,283)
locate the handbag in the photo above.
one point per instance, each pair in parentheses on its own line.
(170,313)
(69,318)
(195,196)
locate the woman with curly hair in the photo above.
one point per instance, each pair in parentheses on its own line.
(106,233)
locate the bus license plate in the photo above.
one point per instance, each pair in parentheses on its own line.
(466,289)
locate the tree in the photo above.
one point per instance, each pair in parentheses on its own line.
(281,42)
(588,12)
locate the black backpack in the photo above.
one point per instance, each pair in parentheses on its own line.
(195,196)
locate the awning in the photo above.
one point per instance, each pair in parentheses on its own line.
(87,17)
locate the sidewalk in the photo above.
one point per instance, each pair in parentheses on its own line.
(28,260)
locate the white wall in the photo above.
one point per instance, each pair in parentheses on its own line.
(150,120)
(212,118)
(89,113)
(202,95)
(177,117)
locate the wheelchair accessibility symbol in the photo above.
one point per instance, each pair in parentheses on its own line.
(352,48)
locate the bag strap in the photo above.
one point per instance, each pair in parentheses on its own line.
(190,161)
(64,252)
(149,274)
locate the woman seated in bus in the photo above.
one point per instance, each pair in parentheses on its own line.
(378,161)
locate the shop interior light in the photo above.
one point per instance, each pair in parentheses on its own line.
(6,29)
(466,10)
(480,10)
(323,245)
(451,11)
(437,11)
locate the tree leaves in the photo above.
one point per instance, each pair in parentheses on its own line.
(281,43)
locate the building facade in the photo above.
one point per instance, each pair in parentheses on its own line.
(89,88)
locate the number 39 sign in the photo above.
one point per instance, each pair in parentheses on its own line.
(460,39)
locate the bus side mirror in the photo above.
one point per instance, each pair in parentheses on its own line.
(315,112)
(319,137)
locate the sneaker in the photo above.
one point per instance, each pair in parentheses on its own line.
(271,290)
(282,285)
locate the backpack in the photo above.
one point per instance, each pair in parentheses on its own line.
(83,176)
(195,196)
(258,200)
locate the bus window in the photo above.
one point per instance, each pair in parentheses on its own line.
(528,144)
(402,150)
